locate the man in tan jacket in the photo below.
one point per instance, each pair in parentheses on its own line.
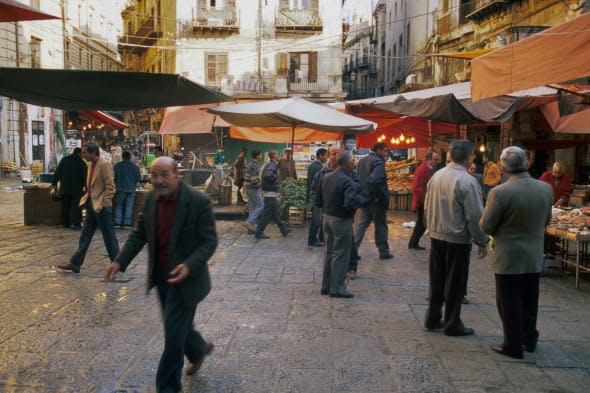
(98,202)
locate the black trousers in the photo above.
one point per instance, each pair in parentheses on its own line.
(70,202)
(419,229)
(517,298)
(180,336)
(316,232)
(448,272)
(270,211)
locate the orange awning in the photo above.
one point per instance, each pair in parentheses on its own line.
(102,117)
(555,55)
(192,119)
(281,134)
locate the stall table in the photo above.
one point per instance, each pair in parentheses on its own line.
(581,241)
(41,209)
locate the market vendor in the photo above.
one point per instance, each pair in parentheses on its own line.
(560,182)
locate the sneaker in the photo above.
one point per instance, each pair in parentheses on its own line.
(287,231)
(262,237)
(387,255)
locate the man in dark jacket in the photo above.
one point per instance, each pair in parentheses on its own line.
(371,172)
(270,191)
(339,196)
(126,178)
(315,236)
(71,175)
(178,225)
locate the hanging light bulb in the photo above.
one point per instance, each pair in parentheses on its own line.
(402,137)
(413,140)
(482,148)
(408,141)
(392,140)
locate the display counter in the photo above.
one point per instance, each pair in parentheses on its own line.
(41,209)
(570,227)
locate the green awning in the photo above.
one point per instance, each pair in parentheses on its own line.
(80,90)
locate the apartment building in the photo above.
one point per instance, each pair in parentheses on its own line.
(263,48)
(84,38)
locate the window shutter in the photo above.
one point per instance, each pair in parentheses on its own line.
(282,63)
(231,3)
(202,4)
(315,5)
(284,4)
(313,67)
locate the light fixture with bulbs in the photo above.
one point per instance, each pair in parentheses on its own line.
(482,148)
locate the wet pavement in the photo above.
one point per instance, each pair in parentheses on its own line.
(272,329)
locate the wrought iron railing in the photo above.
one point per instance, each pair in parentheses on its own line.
(301,18)
(212,17)
(275,84)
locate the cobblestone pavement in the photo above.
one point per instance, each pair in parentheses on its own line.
(272,329)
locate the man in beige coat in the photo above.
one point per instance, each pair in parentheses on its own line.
(516,215)
(99,203)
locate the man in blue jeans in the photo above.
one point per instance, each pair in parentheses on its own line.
(126,178)
(252,185)
(98,201)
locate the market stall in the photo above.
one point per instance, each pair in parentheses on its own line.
(571,227)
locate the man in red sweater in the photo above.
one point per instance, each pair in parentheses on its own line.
(560,182)
(421,177)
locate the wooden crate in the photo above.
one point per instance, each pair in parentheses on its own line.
(296,216)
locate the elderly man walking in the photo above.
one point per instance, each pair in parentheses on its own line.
(453,208)
(371,173)
(98,200)
(339,196)
(516,214)
(178,225)
(270,190)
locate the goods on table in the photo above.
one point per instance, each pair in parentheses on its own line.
(397,178)
(572,223)
(37,167)
(8,166)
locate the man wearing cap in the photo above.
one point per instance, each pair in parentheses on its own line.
(339,195)
(286,166)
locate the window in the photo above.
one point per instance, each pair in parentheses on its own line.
(35,46)
(215,68)
(35,4)
(38,140)
(303,67)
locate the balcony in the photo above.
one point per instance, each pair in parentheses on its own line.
(277,85)
(443,24)
(305,20)
(145,36)
(216,20)
(482,8)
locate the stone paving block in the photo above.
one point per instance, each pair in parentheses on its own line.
(365,376)
(571,380)
(474,366)
(551,354)
(293,380)
(529,376)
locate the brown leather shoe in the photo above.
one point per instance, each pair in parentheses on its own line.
(70,267)
(192,368)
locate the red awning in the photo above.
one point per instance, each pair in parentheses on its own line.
(13,11)
(191,119)
(101,117)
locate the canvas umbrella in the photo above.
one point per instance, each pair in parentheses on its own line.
(13,11)
(292,112)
